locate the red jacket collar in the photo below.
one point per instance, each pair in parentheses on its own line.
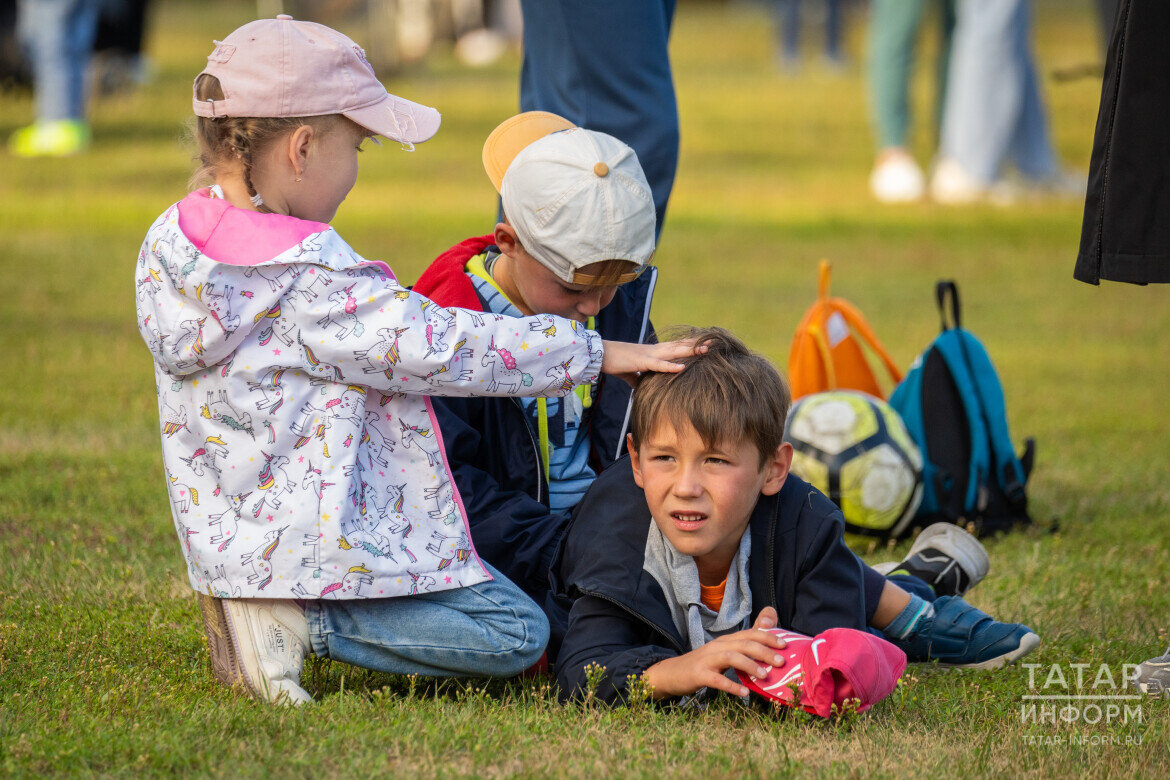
(445,281)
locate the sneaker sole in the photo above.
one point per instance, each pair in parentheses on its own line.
(965,549)
(223,645)
(1028,643)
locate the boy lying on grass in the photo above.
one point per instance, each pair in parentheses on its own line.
(577,241)
(676,555)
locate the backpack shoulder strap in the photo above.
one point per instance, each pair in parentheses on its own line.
(853,316)
(1011,472)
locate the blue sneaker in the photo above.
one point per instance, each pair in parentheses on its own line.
(957,634)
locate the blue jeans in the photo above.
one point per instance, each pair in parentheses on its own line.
(486,630)
(604,65)
(993,113)
(787,21)
(58,36)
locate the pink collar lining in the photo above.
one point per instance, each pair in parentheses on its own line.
(234,236)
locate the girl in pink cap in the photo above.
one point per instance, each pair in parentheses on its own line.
(320,515)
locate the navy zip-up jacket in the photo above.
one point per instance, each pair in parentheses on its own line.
(620,618)
(493,451)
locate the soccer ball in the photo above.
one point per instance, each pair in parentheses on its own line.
(855,449)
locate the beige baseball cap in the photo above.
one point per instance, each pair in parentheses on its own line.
(574,196)
(283,67)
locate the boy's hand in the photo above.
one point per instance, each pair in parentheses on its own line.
(627,361)
(749,651)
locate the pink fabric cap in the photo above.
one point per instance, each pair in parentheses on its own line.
(285,68)
(829,669)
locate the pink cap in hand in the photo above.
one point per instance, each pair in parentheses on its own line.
(830,669)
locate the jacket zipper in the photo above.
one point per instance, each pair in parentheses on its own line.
(637,615)
(772,557)
(540,484)
(621,442)
(771,562)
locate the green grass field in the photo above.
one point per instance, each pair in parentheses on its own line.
(103,668)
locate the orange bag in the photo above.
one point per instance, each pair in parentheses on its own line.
(827,351)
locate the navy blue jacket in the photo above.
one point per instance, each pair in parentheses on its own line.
(620,618)
(494,456)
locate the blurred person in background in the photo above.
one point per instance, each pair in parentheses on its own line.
(1125,236)
(58,37)
(1107,10)
(485,30)
(605,66)
(893,36)
(14,72)
(994,118)
(788,23)
(119,63)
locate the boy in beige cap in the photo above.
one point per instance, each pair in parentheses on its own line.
(576,240)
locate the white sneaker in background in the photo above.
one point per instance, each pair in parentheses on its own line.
(896,177)
(480,48)
(952,185)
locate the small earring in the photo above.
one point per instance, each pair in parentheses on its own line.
(298,178)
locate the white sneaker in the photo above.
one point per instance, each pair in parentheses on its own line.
(260,643)
(480,48)
(947,558)
(896,177)
(952,185)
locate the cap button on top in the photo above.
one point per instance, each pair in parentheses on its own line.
(601,169)
(286,17)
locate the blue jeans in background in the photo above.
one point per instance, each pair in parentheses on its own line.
(787,21)
(993,113)
(604,65)
(58,36)
(486,630)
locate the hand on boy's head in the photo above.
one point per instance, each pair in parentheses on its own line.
(751,652)
(628,361)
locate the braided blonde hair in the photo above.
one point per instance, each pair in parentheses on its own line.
(222,141)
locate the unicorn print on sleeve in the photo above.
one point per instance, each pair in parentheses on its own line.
(300,449)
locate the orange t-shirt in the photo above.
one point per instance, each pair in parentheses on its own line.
(712,595)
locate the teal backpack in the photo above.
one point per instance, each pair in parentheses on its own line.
(953,405)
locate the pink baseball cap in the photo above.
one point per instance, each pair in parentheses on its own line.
(829,669)
(285,68)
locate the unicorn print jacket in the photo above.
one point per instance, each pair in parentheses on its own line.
(299,443)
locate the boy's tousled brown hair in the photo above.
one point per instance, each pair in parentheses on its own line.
(728,394)
(223,141)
